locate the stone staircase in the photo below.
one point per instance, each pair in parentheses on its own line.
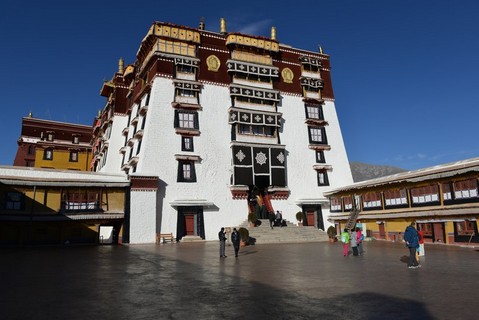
(291,233)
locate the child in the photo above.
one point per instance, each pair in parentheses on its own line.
(345,241)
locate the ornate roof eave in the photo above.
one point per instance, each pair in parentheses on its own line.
(263,43)
(316,122)
(313,101)
(107,89)
(430,173)
(184,105)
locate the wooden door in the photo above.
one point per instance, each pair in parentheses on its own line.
(382,231)
(190,219)
(438,232)
(310,218)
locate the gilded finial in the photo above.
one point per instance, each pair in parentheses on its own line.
(223,25)
(202,23)
(121,66)
(30,114)
(273,33)
(320,49)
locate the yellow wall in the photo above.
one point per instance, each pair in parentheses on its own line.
(115,198)
(42,200)
(393,226)
(61,160)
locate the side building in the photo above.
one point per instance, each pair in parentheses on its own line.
(54,145)
(442,200)
(216,125)
(51,207)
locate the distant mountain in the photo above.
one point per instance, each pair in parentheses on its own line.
(363,171)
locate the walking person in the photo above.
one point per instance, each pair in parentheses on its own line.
(359,240)
(345,241)
(271,219)
(421,242)
(412,241)
(353,242)
(222,238)
(235,238)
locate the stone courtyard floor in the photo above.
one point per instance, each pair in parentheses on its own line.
(268,281)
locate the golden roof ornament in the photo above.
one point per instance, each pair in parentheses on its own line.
(30,114)
(121,66)
(320,49)
(202,23)
(273,33)
(223,25)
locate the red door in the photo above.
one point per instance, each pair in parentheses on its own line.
(382,231)
(438,232)
(190,224)
(310,217)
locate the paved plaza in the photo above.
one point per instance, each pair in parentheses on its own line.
(269,281)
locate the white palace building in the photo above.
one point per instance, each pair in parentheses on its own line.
(211,126)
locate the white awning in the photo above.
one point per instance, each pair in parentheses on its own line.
(191,203)
(312,201)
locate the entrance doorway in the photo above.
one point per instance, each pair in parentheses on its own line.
(382,231)
(108,233)
(190,222)
(314,217)
(438,232)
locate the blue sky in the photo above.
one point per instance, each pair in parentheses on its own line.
(405,73)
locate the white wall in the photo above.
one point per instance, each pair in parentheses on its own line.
(142,217)
(116,141)
(214,170)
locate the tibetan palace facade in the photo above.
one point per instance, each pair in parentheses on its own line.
(442,200)
(213,125)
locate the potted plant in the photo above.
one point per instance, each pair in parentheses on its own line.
(332,234)
(244,236)
(252,219)
(300,217)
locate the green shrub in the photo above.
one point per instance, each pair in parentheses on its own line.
(244,234)
(331,232)
(299,216)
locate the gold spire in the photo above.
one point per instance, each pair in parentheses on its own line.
(273,33)
(202,23)
(320,49)
(30,114)
(121,66)
(223,25)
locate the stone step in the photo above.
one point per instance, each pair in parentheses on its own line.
(291,233)
(191,239)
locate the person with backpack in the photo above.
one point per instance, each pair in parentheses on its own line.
(345,241)
(412,242)
(359,240)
